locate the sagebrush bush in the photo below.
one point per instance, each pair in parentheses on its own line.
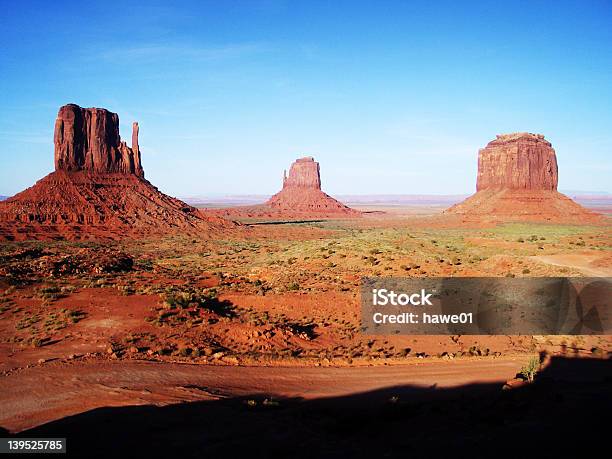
(530,370)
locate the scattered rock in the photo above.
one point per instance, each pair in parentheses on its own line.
(515,383)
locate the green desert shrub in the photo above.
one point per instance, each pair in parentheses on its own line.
(530,370)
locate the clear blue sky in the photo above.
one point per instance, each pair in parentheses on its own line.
(390,97)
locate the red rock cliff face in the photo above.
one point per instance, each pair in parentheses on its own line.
(87,139)
(520,161)
(304,173)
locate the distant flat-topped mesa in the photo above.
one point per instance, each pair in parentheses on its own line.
(87,139)
(517,181)
(98,190)
(518,161)
(302,195)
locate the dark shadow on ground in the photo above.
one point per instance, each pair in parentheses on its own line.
(283,222)
(564,413)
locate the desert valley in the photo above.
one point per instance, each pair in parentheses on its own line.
(114,296)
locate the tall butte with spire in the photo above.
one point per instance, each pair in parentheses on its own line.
(517,180)
(98,189)
(301,193)
(87,139)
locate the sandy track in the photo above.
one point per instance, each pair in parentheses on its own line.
(38,395)
(584,263)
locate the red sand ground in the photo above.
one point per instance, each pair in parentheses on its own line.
(108,337)
(48,392)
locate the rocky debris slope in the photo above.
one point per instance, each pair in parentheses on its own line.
(98,190)
(517,180)
(302,195)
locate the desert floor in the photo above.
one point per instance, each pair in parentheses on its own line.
(264,317)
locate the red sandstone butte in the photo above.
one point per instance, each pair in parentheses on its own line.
(517,180)
(87,139)
(301,194)
(98,189)
(518,161)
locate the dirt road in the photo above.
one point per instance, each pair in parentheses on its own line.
(36,395)
(587,264)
